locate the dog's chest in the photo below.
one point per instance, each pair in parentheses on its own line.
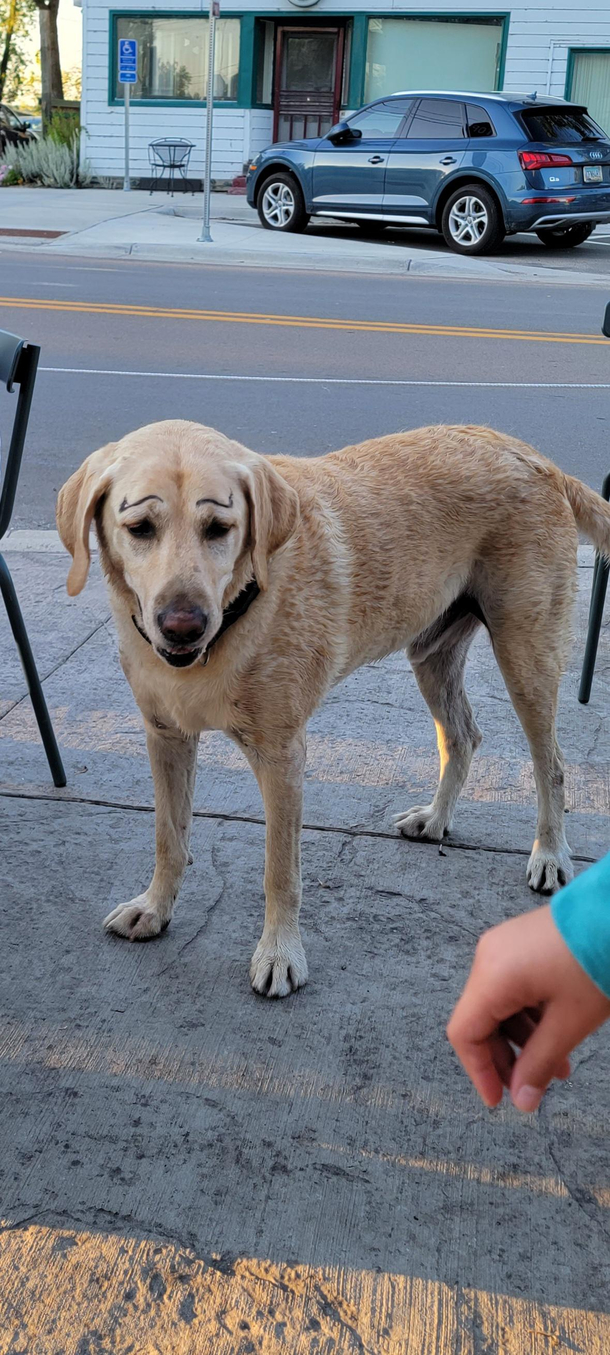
(199,704)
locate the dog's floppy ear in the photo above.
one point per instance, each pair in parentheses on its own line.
(76,503)
(274,513)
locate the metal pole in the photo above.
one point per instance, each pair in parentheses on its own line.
(126,180)
(205,237)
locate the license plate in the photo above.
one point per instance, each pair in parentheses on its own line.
(593,173)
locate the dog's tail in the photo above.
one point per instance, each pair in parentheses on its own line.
(592,513)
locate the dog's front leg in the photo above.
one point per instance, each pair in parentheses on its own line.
(173,761)
(279,964)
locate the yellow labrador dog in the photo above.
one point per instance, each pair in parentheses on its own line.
(244,586)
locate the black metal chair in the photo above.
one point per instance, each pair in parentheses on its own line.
(598,590)
(171,154)
(18,364)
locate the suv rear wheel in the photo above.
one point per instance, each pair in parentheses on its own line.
(472,221)
(281,205)
(565,237)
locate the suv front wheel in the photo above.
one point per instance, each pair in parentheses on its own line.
(565,237)
(281,205)
(472,221)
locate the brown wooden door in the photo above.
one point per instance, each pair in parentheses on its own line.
(308,72)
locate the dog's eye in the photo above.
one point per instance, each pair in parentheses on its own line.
(215,530)
(142,529)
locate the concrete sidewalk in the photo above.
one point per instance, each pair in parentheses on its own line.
(106,223)
(190,1170)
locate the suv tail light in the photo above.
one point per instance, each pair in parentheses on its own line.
(542,159)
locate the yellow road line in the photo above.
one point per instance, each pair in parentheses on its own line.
(293,321)
(61,1286)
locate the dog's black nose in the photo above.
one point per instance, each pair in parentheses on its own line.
(182,625)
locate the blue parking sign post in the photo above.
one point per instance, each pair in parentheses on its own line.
(128,74)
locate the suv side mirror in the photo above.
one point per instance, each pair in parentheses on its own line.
(606,324)
(343,132)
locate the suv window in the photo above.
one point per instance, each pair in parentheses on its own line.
(441,119)
(560,124)
(478,121)
(382,119)
(7,117)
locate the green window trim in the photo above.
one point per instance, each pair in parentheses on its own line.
(113,53)
(246,80)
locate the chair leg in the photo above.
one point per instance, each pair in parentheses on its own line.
(7,588)
(596,612)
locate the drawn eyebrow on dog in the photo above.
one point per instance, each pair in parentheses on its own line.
(217,502)
(126,505)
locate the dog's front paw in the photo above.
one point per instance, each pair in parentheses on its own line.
(548,871)
(137,921)
(422,822)
(278,965)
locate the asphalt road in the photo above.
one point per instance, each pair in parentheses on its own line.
(118,351)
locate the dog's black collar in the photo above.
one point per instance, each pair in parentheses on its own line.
(237,608)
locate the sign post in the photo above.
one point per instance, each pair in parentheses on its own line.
(205,237)
(128,74)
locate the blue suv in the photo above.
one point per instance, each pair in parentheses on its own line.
(475,167)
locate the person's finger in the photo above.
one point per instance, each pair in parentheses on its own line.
(478,1063)
(520,1028)
(545,1052)
(475,1052)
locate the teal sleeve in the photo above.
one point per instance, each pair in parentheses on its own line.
(581,913)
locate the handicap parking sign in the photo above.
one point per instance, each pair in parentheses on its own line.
(128,61)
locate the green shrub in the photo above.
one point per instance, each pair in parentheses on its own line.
(65,126)
(49,162)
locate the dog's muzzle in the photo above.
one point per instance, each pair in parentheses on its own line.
(183,658)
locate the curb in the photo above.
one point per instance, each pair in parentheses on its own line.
(454,270)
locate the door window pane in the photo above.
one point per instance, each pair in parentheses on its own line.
(309,61)
(432,54)
(383,120)
(440,119)
(172,57)
(591,84)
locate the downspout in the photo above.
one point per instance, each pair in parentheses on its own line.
(549,79)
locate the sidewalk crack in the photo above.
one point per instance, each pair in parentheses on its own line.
(203,925)
(221,816)
(44,678)
(578,1196)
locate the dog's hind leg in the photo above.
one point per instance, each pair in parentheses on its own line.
(438,659)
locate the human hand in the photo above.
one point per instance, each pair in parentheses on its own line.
(526,991)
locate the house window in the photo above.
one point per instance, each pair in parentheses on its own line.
(590,84)
(172,58)
(265,62)
(405,54)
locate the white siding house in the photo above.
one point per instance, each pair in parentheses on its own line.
(292,68)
